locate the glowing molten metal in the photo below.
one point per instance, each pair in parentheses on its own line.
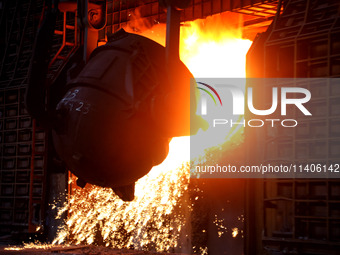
(155,218)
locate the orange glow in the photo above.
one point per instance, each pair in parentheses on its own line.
(235,232)
(210,48)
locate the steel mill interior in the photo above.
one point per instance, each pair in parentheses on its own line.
(61,197)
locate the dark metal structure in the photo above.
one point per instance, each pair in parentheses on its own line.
(25,153)
(23,174)
(298,216)
(302,42)
(110,121)
(25,186)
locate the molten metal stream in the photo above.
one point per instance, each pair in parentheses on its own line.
(156,218)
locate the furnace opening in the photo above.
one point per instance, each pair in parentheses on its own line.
(159,217)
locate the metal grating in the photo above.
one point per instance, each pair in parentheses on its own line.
(301,216)
(17,186)
(23,149)
(119,13)
(19,22)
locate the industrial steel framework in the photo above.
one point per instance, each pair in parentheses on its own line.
(305,35)
(120,12)
(21,195)
(301,216)
(24,145)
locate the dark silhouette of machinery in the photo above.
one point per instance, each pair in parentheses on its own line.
(113,120)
